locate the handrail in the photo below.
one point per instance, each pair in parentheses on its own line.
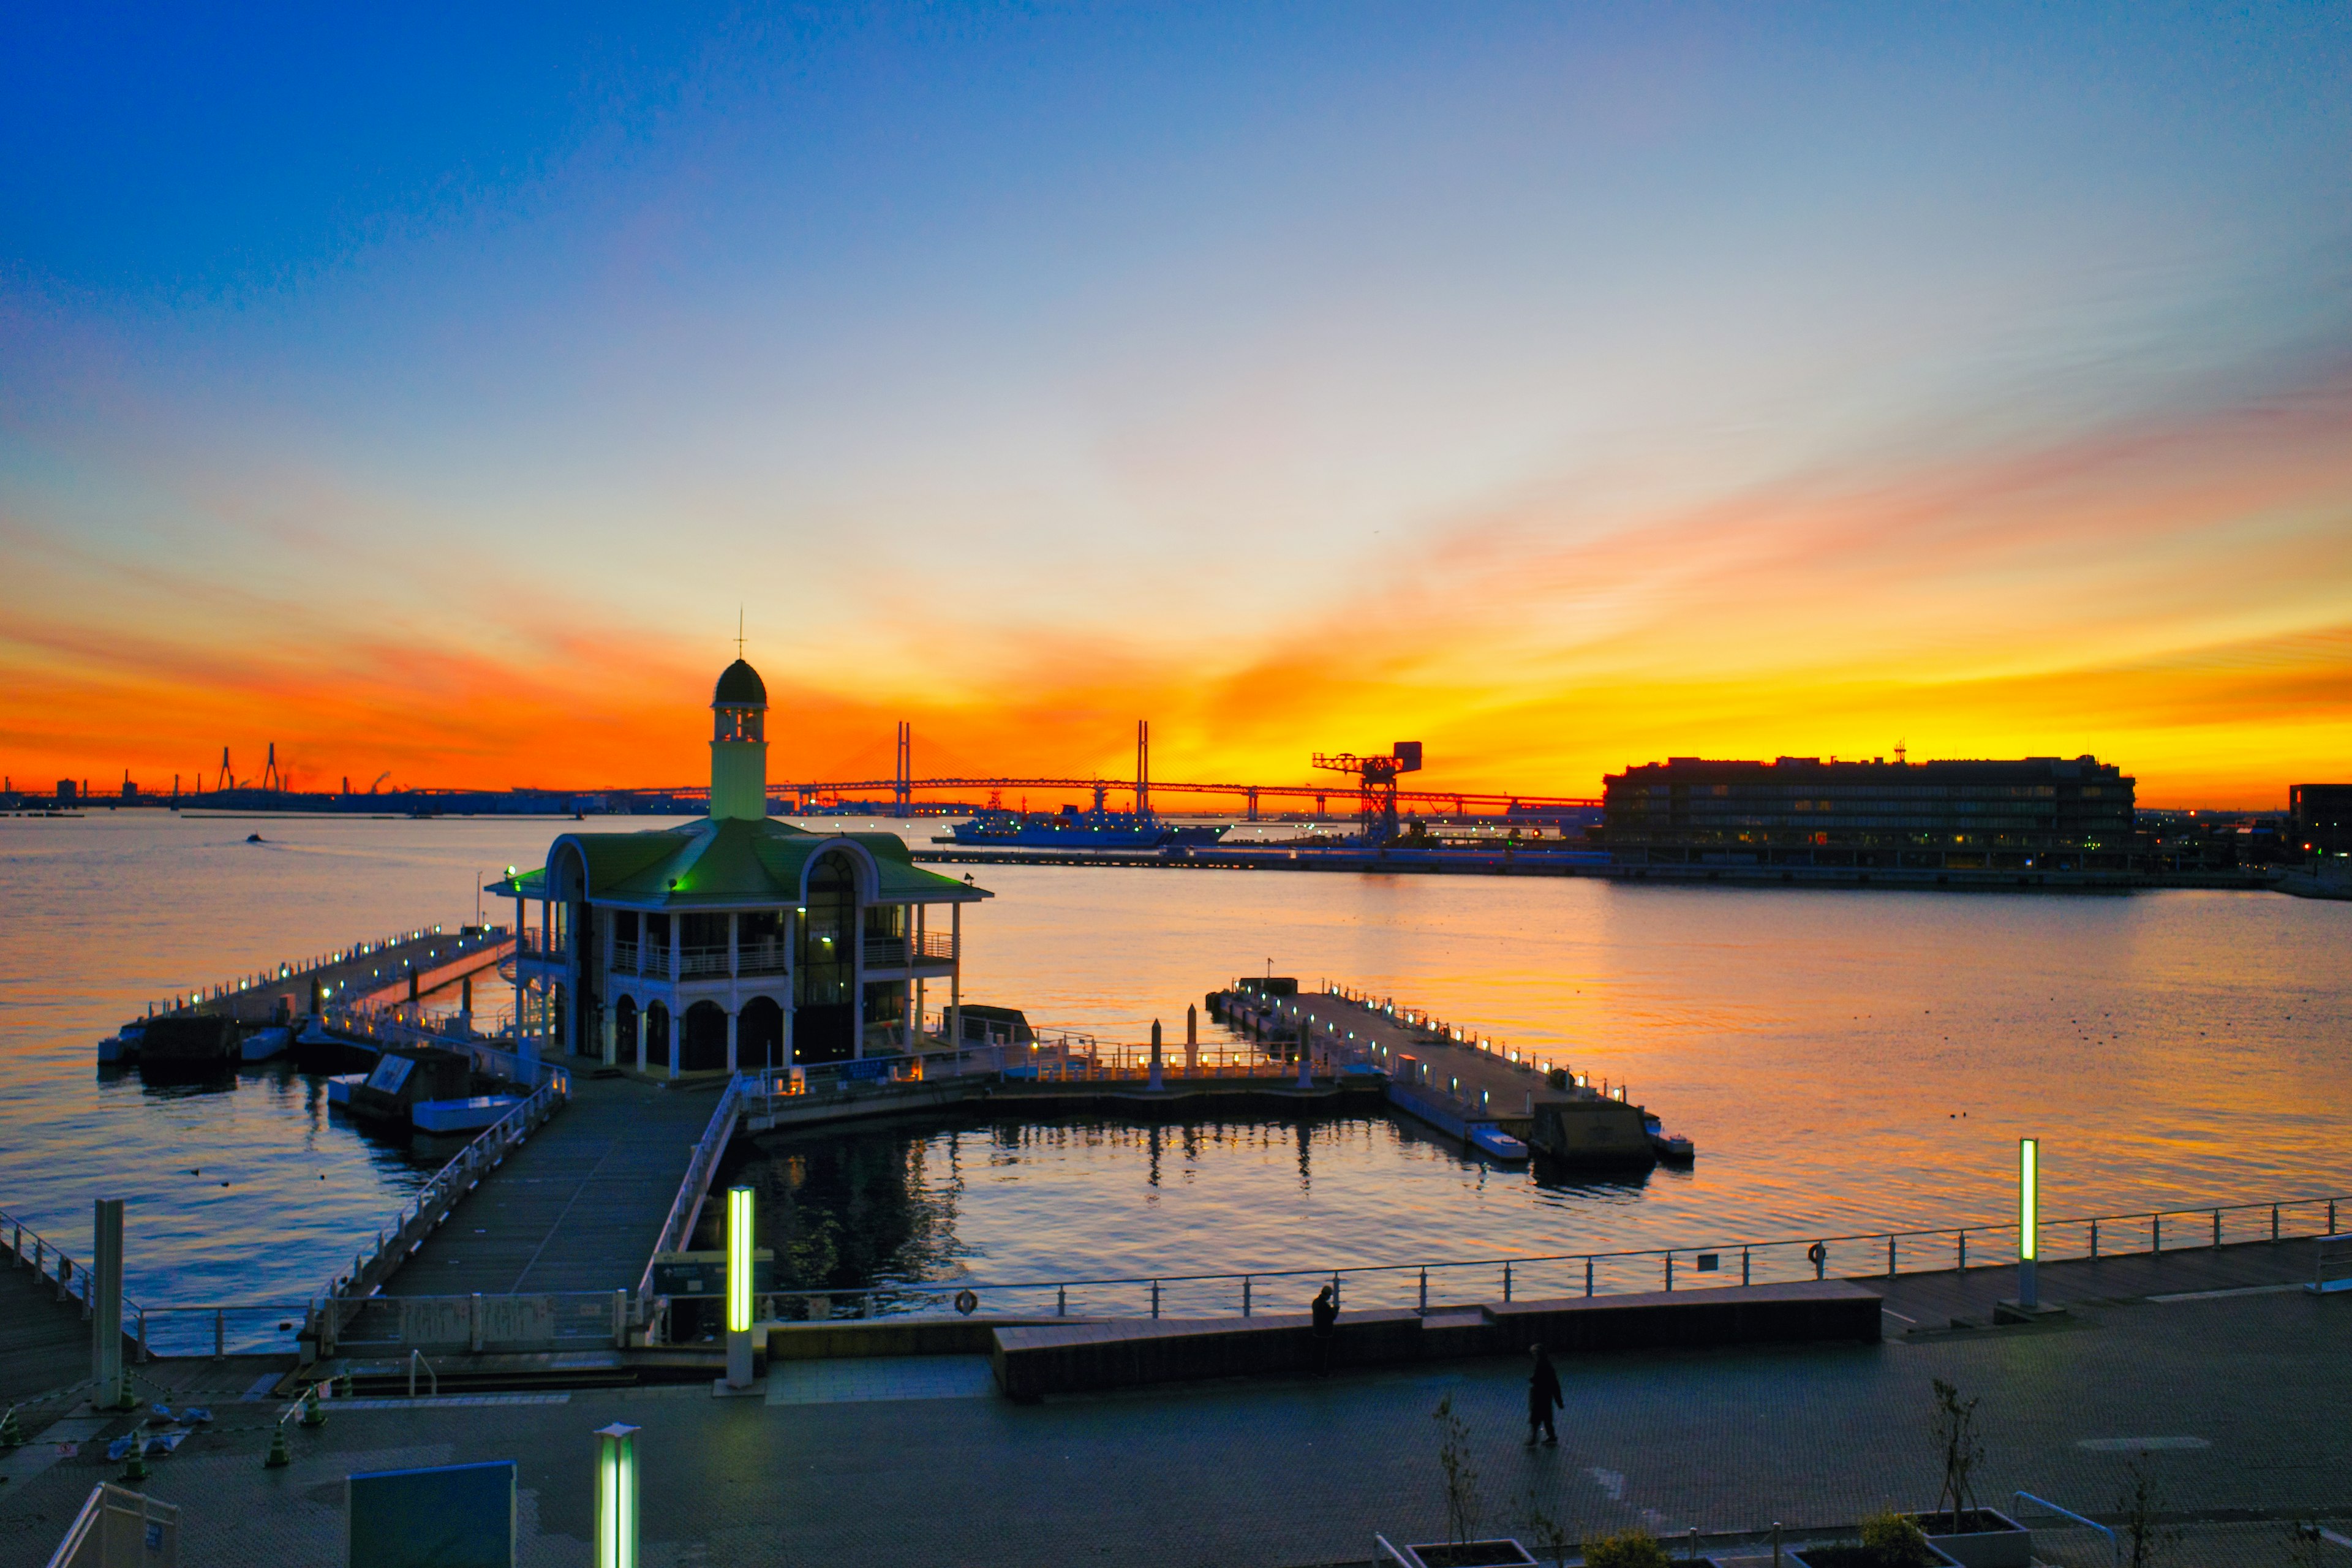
(2114,1545)
(415,1360)
(435,1200)
(678,1223)
(1508,1261)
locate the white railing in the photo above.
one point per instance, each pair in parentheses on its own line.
(678,1227)
(449,1185)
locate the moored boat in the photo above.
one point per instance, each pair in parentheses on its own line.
(1071,828)
(1498,1144)
(122,1046)
(263,1044)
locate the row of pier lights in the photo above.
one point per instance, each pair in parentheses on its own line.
(1420,1019)
(298,968)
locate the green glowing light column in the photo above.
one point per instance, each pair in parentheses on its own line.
(2028,1217)
(616,1497)
(739,1286)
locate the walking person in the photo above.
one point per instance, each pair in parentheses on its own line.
(1543,1396)
(1326,1313)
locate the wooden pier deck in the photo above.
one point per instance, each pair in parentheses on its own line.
(384,972)
(1485,1084)
(44,1343)
(579,1206)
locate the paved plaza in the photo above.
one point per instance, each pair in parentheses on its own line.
(2243,1400)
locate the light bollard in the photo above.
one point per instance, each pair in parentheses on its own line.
(2028,1218)
(616,1497)
(1155,1055)
(739,1286)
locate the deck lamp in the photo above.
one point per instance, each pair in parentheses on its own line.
(739,1286)
(2029,1205)
(616,1497)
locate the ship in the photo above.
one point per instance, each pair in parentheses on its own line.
(1071,828)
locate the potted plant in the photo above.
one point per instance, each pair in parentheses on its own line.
(1889,1540)
(1459,1550)
(1971,1535)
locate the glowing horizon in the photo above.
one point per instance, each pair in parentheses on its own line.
(1582,392)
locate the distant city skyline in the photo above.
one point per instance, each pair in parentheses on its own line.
(1567,389)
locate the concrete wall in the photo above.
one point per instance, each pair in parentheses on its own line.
(1060,1357)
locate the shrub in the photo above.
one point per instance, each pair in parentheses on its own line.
(1899,1541)
(1630,1549)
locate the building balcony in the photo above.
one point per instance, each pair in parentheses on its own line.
(905,952)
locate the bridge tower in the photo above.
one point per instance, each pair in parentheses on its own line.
(902,778)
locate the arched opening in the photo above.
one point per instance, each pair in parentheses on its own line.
(656,1035)
(825,979)
(624,1031)
(760,1034)
(704,1047)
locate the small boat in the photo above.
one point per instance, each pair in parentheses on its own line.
(122,1046)
(469,1115)
(340,1087)
(255,839)
(263,1044)
(1671,1148)
(1498,1144)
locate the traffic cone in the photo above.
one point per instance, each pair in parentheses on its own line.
(344,1392)
(277,1457)
(12,1434)
(134,1469)
(311,1414)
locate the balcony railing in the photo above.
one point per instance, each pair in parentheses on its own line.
(898,951)
(538,944)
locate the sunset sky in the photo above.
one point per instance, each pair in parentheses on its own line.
(1562,386)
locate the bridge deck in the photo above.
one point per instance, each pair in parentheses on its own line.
(44,1343)
(579,1206)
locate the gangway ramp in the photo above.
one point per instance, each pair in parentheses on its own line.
(579,1206)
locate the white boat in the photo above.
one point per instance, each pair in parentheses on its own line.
(338,1087)
(263,1044)
(471,1115)
(1498,1144)
(122,1046)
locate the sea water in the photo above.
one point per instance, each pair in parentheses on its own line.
(1844,1060)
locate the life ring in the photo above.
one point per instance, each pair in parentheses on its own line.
(967,1303)
(1817,1254)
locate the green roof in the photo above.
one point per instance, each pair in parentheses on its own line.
(731,863)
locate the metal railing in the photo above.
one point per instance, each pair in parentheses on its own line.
(678,1227)
(1852,1256)
(898,951)
(413,1224)
(404,1326)
(2016,1508)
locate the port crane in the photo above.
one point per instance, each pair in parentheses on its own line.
(1378,792)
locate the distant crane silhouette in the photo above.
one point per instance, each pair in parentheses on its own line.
(1379,790)
(227,779)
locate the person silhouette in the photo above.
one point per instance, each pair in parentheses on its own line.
(1326,1315)
(1543,1394)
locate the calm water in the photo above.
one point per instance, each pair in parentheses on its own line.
(1843,1059)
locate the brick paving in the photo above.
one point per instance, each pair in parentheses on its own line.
(846,1464)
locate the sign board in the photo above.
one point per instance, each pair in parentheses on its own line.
(449,1516)
(390,1072)
(449,1319)
(865,1068)
(705,1273)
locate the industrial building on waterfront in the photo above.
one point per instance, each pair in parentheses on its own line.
(2031,818)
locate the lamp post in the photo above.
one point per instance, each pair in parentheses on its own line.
(2028,1218)
(739,1286)
(616,1497)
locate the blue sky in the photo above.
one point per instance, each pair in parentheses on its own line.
(1020,369)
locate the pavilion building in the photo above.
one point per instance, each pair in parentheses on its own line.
(735,941)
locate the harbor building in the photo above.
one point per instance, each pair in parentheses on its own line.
(2037,814)
(2323,817)
(736,940)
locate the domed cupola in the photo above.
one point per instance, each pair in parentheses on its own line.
(739,744)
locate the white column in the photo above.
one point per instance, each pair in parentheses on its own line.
(733,1015)
(955,976)
(676,1013)
(611,1043)
(640,1032)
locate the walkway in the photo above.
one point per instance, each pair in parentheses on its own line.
(2244,1403)
(44,1343)
(579,1206)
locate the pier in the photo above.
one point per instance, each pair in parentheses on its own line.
(400,968)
